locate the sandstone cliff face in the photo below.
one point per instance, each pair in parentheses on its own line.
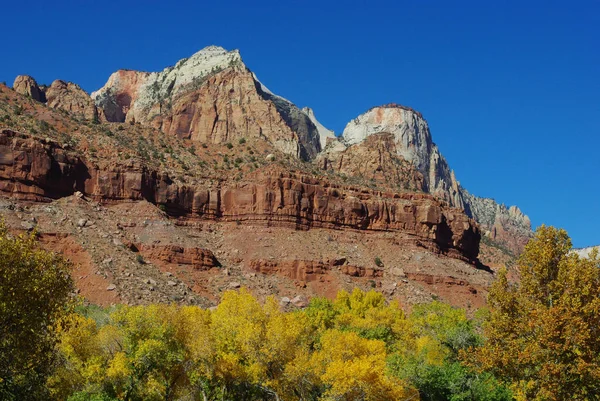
(225,108)
(26,85)
(36,170)
(413,143)
(117,95)
(505,225)
(376,160)
(210,97)
(70,97)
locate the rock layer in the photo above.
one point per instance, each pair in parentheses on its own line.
(198,258)
(308,270)
(37,170)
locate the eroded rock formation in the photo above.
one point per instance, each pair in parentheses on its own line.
(70,97)
(198,258)
(34,169)
(26,85)
(309,270)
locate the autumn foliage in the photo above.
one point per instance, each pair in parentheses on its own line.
(543,334)
(538,341)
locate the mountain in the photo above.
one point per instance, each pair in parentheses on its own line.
(176,185)
(413,147)
(210,97)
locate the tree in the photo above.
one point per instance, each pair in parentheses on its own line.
(427,356)
(354,368)
(34,291)
(543,334)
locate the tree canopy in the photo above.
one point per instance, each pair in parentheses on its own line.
(34,290)
(543,333)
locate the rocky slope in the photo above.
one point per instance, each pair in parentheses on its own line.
(41,170)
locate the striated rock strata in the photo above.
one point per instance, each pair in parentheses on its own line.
(198,258)
(309,270)
(37,170)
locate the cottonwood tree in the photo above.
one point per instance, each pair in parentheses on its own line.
(543,334)
(34,291)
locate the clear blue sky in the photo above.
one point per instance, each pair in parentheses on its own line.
(511,89)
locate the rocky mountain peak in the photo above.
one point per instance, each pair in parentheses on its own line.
(66,96)
(26,85)
(150,88)
(413,144)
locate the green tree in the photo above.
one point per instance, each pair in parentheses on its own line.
(543,334)
(428,357)
(34,292)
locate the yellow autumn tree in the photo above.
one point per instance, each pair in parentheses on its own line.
(354,368)
(34,292)
(543,334)
(258,346)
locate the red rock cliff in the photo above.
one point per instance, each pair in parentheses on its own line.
(37,169)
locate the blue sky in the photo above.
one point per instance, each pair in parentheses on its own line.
(511,89)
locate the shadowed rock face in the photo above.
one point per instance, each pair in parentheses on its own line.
(38,170)
(309,138)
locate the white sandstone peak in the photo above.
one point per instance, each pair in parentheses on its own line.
(172,80)
(413,144)
(409,128)
(585,253)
